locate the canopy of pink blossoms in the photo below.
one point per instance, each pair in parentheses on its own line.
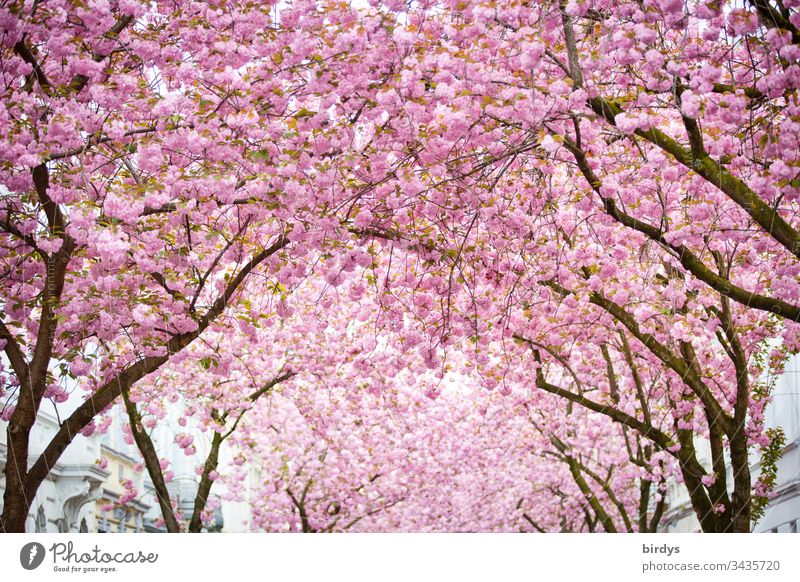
(421,266)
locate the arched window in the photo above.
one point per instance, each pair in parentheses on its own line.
(122,515)
(41,521)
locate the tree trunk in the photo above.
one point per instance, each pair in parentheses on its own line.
(741,499)
(15,503)
(201,499)
(152,463)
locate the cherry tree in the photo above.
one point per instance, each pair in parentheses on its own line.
(468,460)
(678,120)
(523,193)
(619,147)
(313,331)
(156,156)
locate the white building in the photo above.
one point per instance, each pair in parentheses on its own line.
(65,501)
(71,497)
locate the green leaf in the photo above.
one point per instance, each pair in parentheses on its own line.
(304,113)
(207,362)
(260,156)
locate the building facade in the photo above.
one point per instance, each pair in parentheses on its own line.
(84,490)
(66,500)
(110,514)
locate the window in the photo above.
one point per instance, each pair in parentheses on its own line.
(83,527)
(41,521)
(122,514)
(121,471)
